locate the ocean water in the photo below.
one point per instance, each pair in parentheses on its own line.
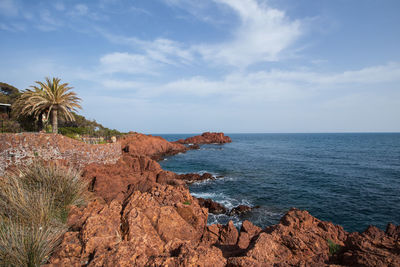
(348,179)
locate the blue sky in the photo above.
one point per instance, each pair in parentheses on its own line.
(187,66)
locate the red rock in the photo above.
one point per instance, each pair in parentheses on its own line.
(154,147)
(188,254)
(112,180)
(195,177)
(212,206)
(138,229)
(372,248)
(247,232)
(141,215)
(297,240)
(206,138)
(241,209)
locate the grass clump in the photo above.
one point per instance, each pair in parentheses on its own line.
(333,247)
(34,205)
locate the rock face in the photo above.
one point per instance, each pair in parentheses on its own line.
(141,215)
(298,240)
(372,248)
(155,147)
(206,138)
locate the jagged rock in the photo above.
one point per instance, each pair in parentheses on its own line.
(195,177)
(373,247)
(141,215)
(206,138)
(299,239)
(241,209)
(247,232)
(212,206)
(112,180)
(136,230)
(184,253)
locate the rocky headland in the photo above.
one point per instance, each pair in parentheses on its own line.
(206,138)
(142,215)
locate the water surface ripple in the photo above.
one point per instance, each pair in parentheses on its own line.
(349,179)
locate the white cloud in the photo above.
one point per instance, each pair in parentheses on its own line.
(275,85)
(126,63)
(263,34)
(159,51)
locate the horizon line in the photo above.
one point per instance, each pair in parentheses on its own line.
(354,132)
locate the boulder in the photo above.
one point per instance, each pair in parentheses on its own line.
(212,206)
(195,177)
(239,210)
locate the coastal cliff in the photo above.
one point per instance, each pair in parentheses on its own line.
(142,215)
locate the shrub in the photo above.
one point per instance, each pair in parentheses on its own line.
(333,247)
(34,203)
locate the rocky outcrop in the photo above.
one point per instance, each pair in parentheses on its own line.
(142,215)
(155,147)
(23,148)
(373,247)
(163,225)
(239,210)
(206,138)
(112,181)
(195,177)
(212,206)
(167,227)
(298,240)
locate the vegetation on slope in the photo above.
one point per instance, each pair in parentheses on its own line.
(17,123)
(48,101)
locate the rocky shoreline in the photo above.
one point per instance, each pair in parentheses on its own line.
(142,215)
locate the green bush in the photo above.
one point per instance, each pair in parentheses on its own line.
(9,126)
(34,204)
(333,247)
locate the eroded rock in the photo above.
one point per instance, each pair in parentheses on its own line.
(206,138)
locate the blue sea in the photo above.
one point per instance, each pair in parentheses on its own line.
(351,179)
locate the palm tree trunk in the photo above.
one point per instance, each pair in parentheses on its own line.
(54,120)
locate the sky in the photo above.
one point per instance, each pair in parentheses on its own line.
(189,66)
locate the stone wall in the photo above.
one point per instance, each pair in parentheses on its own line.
(22,148)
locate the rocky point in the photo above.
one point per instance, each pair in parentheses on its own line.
(142,215)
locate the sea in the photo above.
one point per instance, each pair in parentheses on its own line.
(350,179)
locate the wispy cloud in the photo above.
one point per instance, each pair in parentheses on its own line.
(48,21)
(80,9)
(126,63)
(59,6)
(9,8)
(263,34)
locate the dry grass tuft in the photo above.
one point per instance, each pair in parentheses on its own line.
(34,205)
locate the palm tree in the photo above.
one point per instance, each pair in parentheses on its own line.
(49,98)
